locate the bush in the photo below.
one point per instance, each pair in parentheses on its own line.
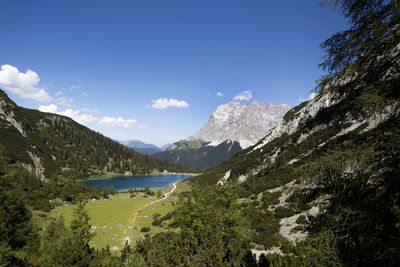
(271,198)
(297,228)
(283,212)
(301,220)
(303,206)
(147,191)
(156,220)
(145,229)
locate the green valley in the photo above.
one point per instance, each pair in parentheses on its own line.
(119,218)
(320,188)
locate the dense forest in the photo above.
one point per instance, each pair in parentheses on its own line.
(197,154)
(319,190)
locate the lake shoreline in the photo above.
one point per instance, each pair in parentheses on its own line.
(105,177)
(122,183)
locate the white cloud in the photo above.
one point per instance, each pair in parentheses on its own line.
(84,118)
(76,116)
(50,108)
(58,93)
(245,95)
(220,94)
(23,84)
(85,94)
(312,95)
(163,103)
(88,110)
(73,114)
(65,101)
(113,121)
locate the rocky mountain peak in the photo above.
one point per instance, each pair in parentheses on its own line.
(245,123)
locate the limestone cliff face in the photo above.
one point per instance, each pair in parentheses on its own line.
(7,113)
(243,123)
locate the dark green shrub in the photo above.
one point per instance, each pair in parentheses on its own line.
(271,198)
(303,206)
(156,220)
(145,229)
(302,219)
(297,228)
(283,212)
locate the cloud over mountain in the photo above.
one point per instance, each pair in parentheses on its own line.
(50,108)
(117,121)
(245,95)
(22,84)
(76,115)
(164,103)
(84,118)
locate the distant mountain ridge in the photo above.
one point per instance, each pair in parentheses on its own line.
(198,154)
(141,147)
(165,147)
(138,144)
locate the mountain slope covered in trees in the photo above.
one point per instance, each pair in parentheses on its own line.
(51,145)
(198,154)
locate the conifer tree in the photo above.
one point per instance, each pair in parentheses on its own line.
(374,29)
(374,26)
(80,225)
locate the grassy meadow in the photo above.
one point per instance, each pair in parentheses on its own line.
(119,218)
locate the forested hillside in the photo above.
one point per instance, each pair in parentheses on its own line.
(56,146)
(198,154)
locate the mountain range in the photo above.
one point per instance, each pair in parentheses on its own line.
(198,154)
(142,147)
(230,128)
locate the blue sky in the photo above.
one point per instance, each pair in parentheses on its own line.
(151,70)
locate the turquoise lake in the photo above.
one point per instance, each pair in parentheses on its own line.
(124,182)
